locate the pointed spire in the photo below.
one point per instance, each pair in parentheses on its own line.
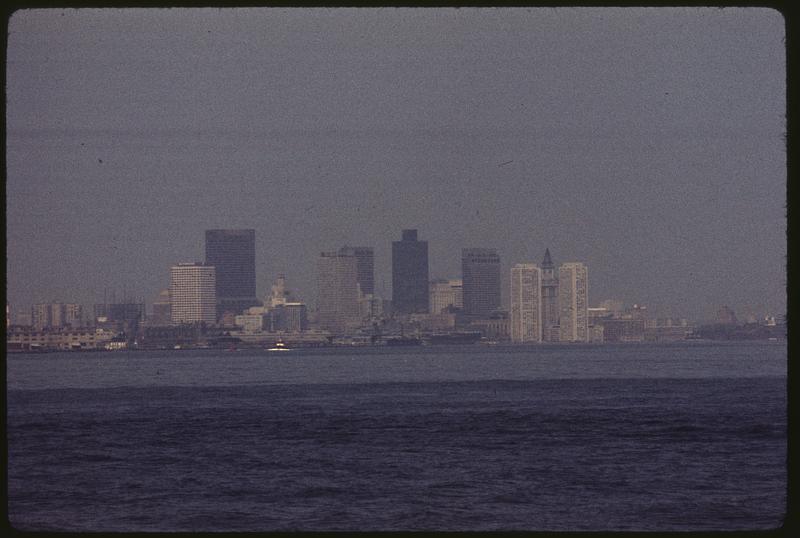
(547,261)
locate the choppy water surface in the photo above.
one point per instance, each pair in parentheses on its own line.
(670,437)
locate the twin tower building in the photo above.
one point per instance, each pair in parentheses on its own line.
(549,305)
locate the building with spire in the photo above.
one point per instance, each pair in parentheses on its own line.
(550,331)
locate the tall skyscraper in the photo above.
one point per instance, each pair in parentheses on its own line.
(410,274)
(526,303)
(233,254)
(480,271)
(573,300)
(192,293)
(549,299)
(337,292)
(365,267)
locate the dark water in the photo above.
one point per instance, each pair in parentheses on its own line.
(702,452)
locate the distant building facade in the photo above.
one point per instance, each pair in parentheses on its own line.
(62,338)
(161,310)
(480,275)
(446,294)
(249,323)
(192,291)
(365,267)
(337,292)
(124,312)
(410,274)
(279,294)
(549,299)
(573,300)
(233,255)
(497,326)
(526,303)
(627,329)
(56,315)
(726,316)
(288,317)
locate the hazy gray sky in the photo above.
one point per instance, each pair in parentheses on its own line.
(646,142)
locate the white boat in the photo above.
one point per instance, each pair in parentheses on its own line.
(279,346)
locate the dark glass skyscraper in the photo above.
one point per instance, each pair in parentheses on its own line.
(410,274)
(233,254)
(480,270)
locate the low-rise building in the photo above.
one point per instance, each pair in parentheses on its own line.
(496,327)
(65,339)
(623,330)
(250,323)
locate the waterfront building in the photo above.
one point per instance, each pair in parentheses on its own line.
(337,292)
(549,299)
(666,330)
(480,275)
(233,255)
(596,333)
(598,314)
(287,317)
(573,296)
(250,323)
(410,274)
(628,329)
(615,307)
(365,267)
(57,338)
(526,303)
(192,292)
(496,326)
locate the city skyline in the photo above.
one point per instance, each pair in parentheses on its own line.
(340,311)
(646,143)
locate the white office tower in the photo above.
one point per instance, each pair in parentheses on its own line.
(337,292)
(526,303)
(573,302)
(192,292)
